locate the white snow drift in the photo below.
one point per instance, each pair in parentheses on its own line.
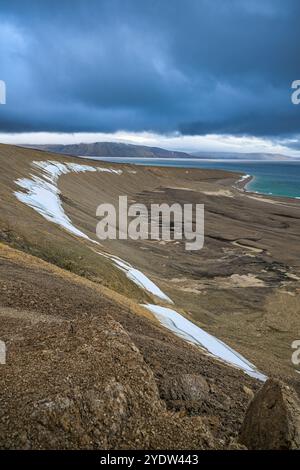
(193,334)
(42,193)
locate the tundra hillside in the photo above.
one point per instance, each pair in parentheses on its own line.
(89,366)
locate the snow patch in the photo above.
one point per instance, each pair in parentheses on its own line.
(187,330)
(243,178)
(140,279)
(42,194)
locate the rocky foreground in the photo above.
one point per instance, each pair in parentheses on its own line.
(82,372)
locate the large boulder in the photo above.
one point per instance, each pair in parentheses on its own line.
(187,387)
(272,420)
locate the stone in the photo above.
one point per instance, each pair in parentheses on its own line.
(184,387)
(248,392)
(272,420)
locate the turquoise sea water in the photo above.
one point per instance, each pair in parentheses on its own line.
(277,178)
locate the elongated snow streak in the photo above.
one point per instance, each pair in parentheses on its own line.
(187,330)
(140,279)
(42,194)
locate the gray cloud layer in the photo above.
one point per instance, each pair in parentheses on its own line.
(194,66)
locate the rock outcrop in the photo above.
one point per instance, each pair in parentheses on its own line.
(84,385)
(272,420)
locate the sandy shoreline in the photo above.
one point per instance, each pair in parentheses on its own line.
(272,198)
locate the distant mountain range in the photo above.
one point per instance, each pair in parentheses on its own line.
(113,149)
(120,150)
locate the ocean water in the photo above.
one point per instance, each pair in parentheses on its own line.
(280,178)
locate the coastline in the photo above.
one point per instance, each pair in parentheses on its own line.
(242,183)
(233,166)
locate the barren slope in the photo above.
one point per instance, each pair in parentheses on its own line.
(75,329)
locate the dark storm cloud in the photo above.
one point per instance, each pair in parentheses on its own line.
(194,66)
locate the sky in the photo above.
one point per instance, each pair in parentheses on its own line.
(189,75)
